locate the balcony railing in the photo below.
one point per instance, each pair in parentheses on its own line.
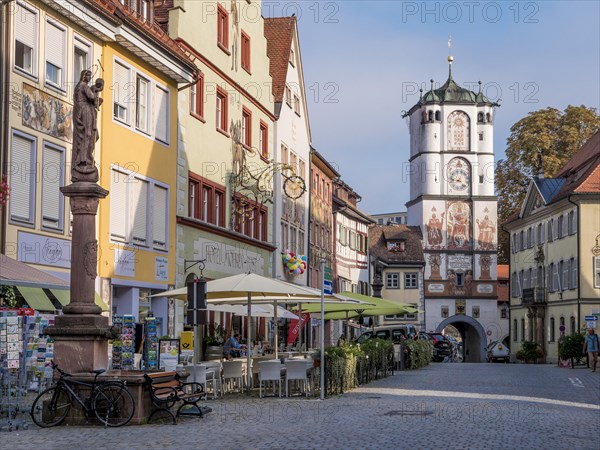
(533,296)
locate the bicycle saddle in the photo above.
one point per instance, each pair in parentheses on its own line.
(98,371)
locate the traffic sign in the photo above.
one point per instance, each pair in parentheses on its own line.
(328,287)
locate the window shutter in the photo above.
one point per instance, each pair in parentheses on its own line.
(575,275)
(550,278)
(534,278)
(120,84)
(26,24)
(52,198)
(55,45)
(543,234)
(556,278)
(21,182)
(118,206)
(555,230)
(161,215)
(139,189)
(565,275)
(161,114)
(520,284)
(574,229)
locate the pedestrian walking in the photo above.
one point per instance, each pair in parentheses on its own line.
(591,343)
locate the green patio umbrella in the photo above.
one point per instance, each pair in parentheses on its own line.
(377,307)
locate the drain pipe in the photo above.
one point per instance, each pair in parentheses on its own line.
(5,88)
(578,271)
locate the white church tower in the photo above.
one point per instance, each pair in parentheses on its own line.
(453,200)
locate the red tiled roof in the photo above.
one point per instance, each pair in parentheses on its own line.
(279,32)
(502,271)
(589,151)
(161,14)
(115,9)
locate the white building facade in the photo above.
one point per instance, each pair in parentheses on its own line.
(452,199)
(291,152)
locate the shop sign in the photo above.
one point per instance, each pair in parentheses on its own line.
(229,259)
(124,263)
(161,268)
(38,249)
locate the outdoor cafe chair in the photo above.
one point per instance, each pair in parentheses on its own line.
(232,371)
(269,371)
(295,370)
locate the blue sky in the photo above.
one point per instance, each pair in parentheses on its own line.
(364,59)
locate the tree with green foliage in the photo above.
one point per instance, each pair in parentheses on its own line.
(547,135)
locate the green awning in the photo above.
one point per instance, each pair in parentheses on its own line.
(36,298)
(61,295)
(64,297)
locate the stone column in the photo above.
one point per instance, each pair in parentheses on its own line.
(81,334)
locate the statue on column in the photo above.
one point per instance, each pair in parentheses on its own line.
(86,101)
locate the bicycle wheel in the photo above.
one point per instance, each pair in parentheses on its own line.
(113,405)
(50,407)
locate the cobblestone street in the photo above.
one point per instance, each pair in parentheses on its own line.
(441,406)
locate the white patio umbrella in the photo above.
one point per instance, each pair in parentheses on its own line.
(266,310)
(252,287)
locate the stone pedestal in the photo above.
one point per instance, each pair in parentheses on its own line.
(81,334)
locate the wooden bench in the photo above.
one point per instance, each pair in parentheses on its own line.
(166,390)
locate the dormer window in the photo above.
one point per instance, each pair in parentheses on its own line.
(396,246)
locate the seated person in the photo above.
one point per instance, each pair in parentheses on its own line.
(232,347)
(257,349)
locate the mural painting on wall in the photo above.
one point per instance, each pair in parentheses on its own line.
(458,131)
(434,226)
(486,237)
(46,113)
(459,225)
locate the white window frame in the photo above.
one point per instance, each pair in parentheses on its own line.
(61,82)
(22,6)
(80,43)
(146,116)
(17,172)
(155,108)
(150,243)
(392,280)
(61,182)
(128,97)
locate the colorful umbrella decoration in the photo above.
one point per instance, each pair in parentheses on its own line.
(295,264)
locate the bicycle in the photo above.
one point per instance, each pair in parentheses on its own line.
(110,401)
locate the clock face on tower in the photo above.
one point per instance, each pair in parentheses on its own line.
(459,176)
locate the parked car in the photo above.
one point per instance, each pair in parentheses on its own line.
(442,347)
(497,351)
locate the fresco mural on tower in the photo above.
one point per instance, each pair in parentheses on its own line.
(485,226)
(435,235)
(458,225)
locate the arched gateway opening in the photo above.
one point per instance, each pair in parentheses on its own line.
(473,336)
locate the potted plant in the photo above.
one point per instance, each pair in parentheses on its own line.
(570,348)
(214,339)
(530,352)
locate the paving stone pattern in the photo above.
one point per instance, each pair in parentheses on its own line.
(445,405)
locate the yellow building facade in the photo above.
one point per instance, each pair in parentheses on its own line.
(554,270)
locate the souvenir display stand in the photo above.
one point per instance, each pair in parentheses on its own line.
(12,392)
(151,345)
(123,348)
